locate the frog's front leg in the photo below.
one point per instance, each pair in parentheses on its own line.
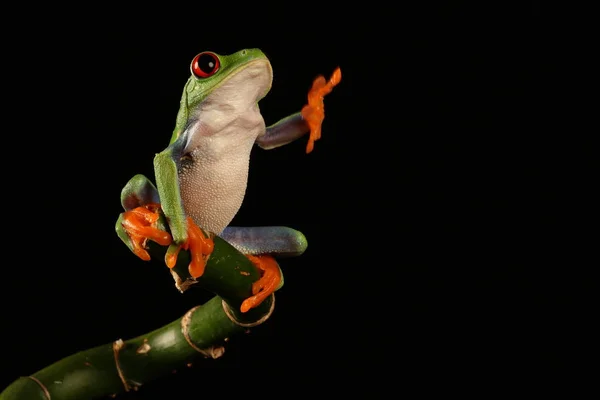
(186,233)
(261,245)
(308,120)
(140,221)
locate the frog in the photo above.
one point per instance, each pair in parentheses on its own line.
(201,176)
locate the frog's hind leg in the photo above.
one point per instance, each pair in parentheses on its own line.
(260,245)
(280,241)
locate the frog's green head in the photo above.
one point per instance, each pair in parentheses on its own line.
(211,73)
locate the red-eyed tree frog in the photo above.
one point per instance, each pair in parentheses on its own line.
(201,176)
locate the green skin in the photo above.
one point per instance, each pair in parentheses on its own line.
(203,172)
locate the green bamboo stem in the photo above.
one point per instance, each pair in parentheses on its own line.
(122,366)
(125,365)
(229,274)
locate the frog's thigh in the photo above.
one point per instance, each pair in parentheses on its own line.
(280,241)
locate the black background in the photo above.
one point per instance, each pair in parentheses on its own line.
(434,204)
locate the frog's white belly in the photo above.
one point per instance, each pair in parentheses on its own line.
(214,171)
(213,178)
(213,187)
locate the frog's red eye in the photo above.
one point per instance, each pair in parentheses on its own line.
(205,64)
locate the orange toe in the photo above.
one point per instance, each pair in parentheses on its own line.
(314,112)
(266,285)
(199,247)
(139,225)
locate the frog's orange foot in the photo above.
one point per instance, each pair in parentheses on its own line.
(199,246)
(314,112)
(267,284)
(139,223)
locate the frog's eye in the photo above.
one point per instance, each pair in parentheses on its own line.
(205,64)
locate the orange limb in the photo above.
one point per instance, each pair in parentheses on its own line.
(139,225)
(314,112)
(199,246)
(267,284)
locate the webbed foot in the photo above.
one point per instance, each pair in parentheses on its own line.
(314,112)
(199,246)
(267,284)
(139,223)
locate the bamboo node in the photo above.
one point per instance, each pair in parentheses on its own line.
(212,351)
(44,388)
(117,346)
(262,319)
